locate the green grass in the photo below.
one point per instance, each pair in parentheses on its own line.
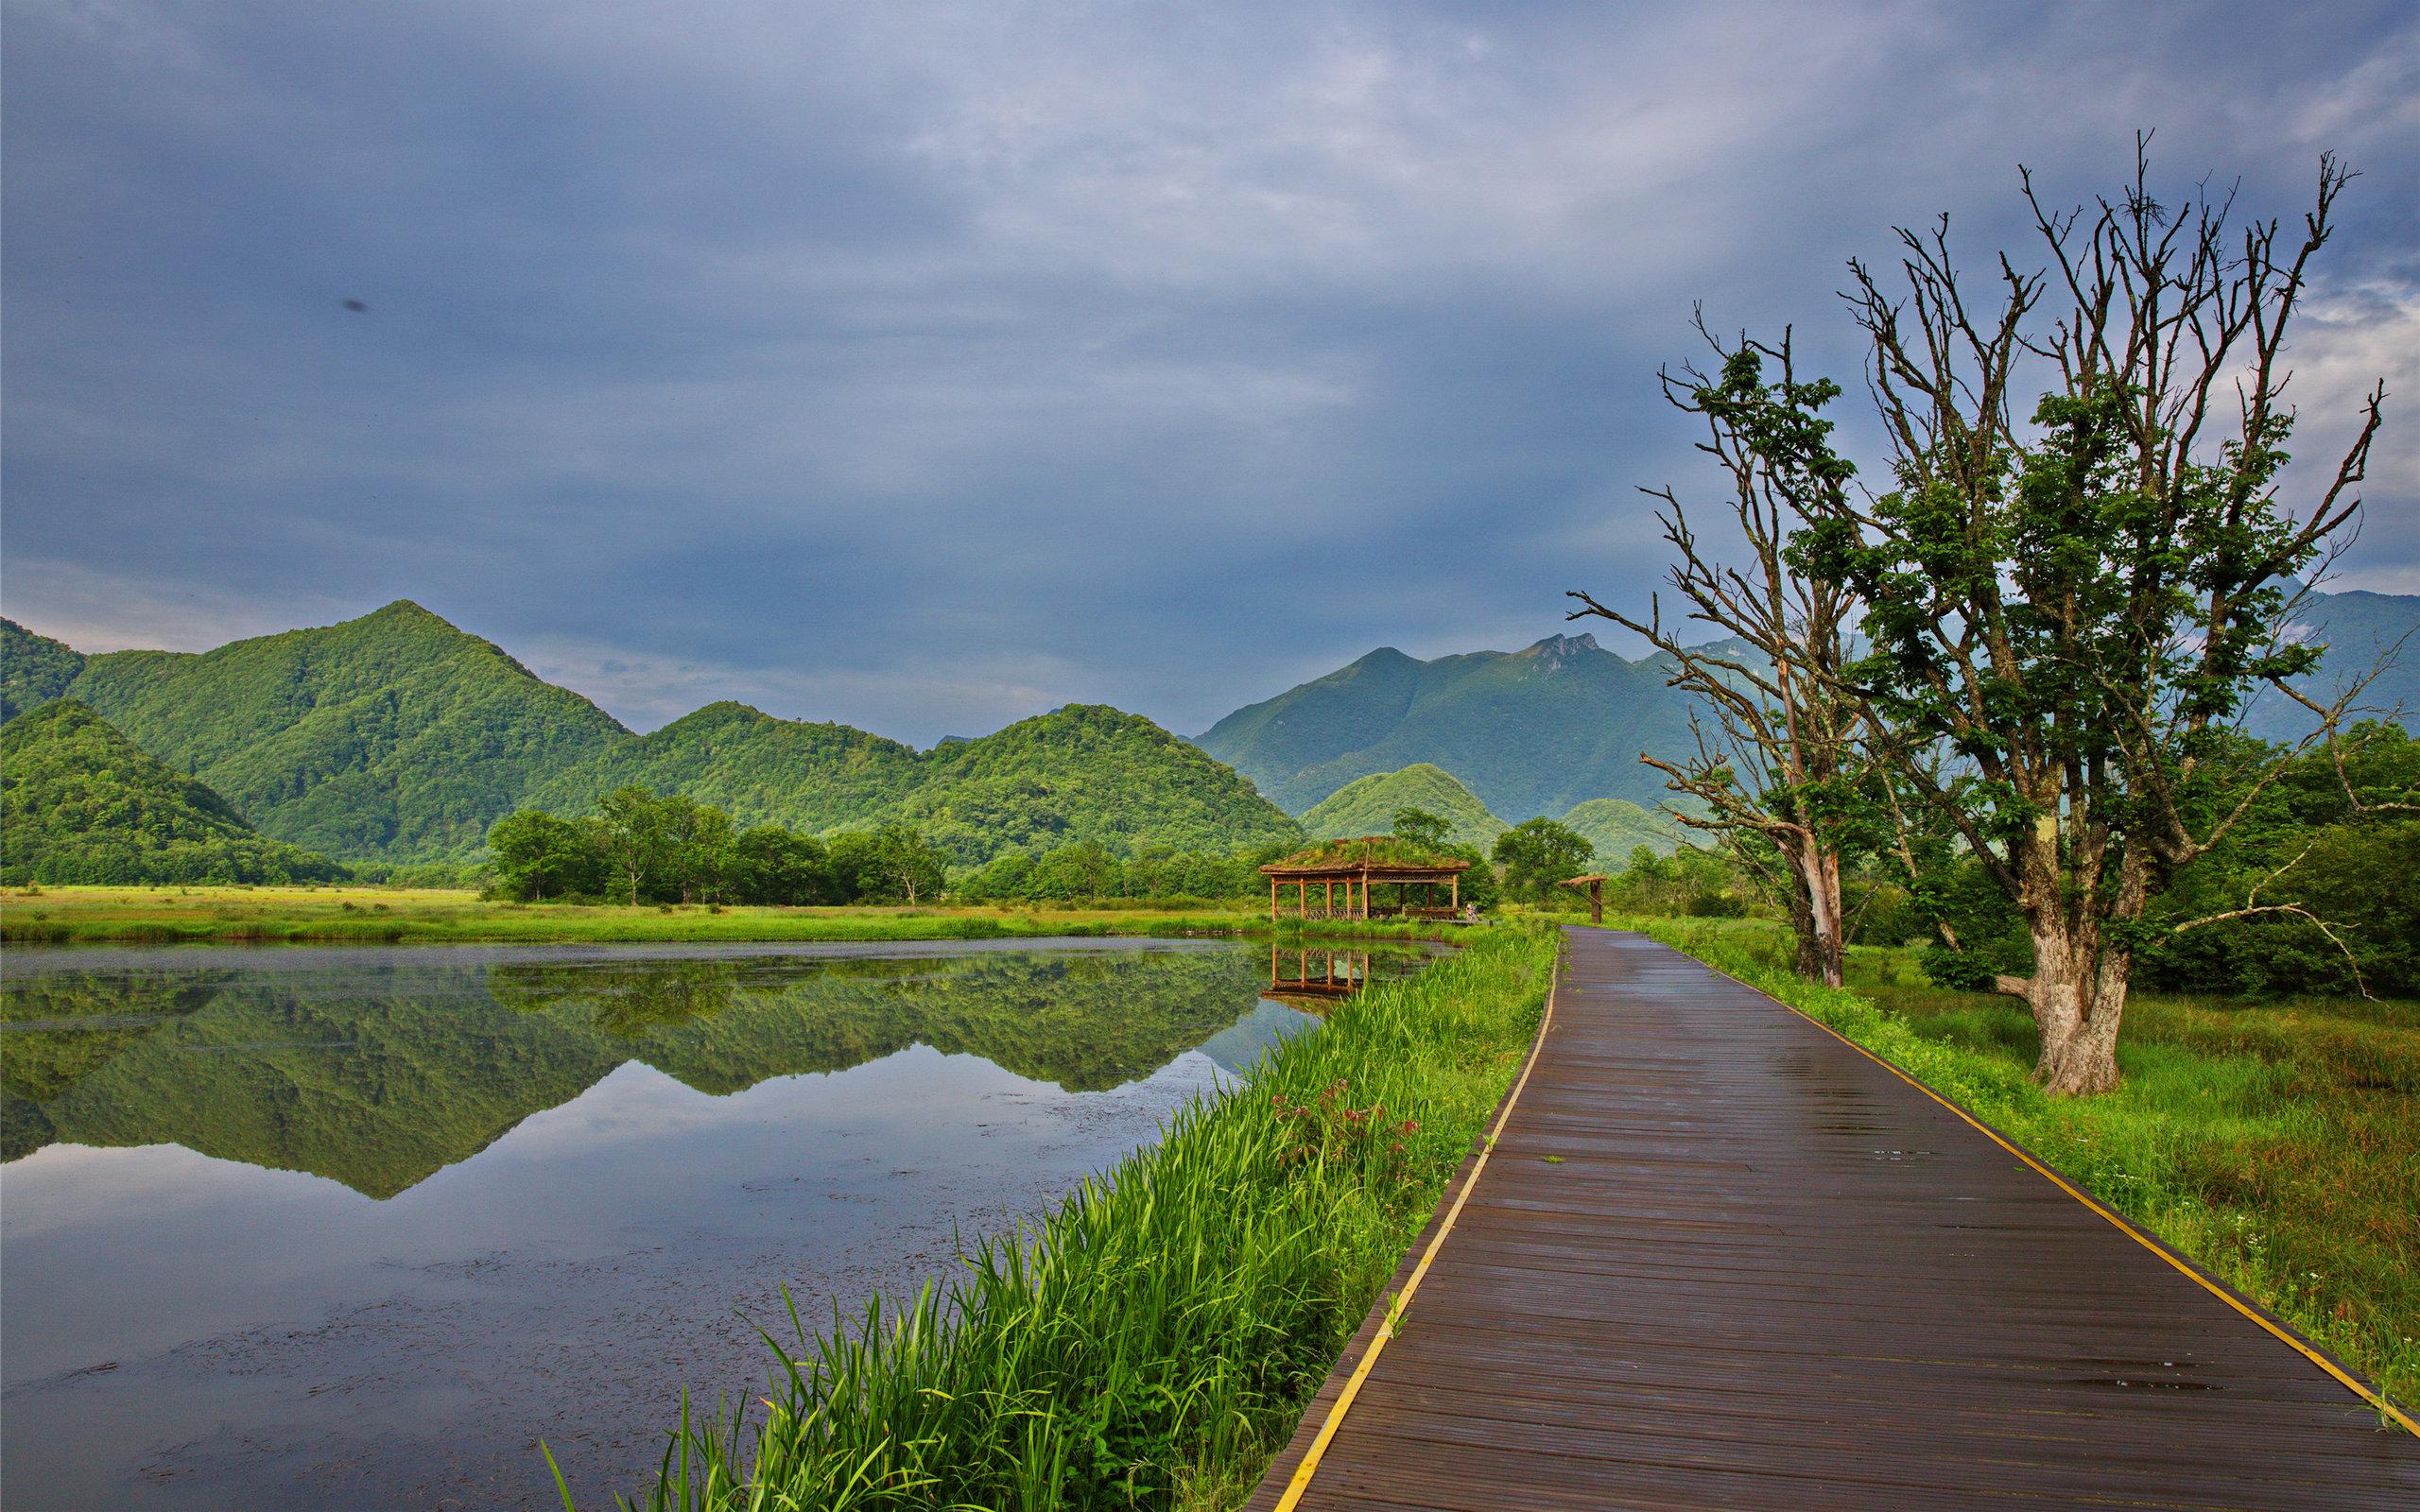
(359,915)
(1151,1342)
(2274,1142)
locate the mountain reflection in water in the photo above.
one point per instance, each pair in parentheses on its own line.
(560,1185)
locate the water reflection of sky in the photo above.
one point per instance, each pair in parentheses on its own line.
(185,1330)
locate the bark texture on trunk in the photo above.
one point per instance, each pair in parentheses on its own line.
(2078,995)
(1815,912)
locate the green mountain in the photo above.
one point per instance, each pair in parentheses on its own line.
(1530,733)
(34,669)
(756,768)
(391,735)
(1367,805)
(84,804)
(398,737)
(2360,629)
(1086,772)
(1616,827)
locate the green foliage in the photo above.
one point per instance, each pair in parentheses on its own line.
(771,864)
(1086,773)
(889,865)
(1531,732)
(1615,827)
(34,669)
(798,774)
(1537,855)
(538,856)
(1080,774)
(2304,844)
(84,805)
(1690,883)
(394,735)
(1420,827)
(1165,1326)
(1371,805)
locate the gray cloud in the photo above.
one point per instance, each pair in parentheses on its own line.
(924,367)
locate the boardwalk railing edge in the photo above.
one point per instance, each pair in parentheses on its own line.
(1299,1461)
(2285,1332)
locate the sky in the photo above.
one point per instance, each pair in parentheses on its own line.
(929,366)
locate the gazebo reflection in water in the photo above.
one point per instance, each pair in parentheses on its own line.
(1314,978)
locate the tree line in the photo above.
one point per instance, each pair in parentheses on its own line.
(642,847)
(2008,661)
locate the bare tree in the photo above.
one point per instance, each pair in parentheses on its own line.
(2073,603)
(1776,768)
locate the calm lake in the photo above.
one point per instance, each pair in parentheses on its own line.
(320,1228)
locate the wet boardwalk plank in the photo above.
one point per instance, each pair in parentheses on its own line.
(1767,1273)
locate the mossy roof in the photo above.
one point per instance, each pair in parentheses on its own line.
(1374,853)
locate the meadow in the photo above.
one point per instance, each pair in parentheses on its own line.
(2273,1141)
(361,915)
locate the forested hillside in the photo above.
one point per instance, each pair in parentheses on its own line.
(34,669)
(1616,827)
(756,768)
(83,804)
(392,735)
(1367,805)
(397,736)
(1530,733)
(1086,772)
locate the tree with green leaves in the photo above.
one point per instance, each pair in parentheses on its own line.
(889,865)
(1778,772)
(1538,855)
(2070,599)
(634,836)
(771,864)
(1422,828)
(538,856)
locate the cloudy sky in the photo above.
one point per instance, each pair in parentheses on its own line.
(926,367)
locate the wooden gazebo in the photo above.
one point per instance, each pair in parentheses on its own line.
(1594,883)
(1357,865)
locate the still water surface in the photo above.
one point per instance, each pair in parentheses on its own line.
(322,1227)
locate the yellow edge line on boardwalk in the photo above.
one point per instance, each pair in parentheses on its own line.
(1302,1479)
(2348,1382)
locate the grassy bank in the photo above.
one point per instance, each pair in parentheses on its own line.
(354,915)
(1152,1343)
(2272,1141)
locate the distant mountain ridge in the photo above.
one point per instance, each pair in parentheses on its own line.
(397,736)
(1535,732)
(1531,732)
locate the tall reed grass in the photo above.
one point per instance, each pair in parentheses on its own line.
(1151,1342)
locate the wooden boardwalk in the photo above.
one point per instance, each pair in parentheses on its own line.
(1766,1272)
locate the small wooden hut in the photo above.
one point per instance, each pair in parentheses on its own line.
(1594,884)
(1424,884)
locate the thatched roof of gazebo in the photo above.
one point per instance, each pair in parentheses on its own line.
(1379,856)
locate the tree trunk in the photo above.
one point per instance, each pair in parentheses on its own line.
(1815,912)
(2078,995)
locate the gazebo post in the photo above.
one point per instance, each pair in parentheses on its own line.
(1272,901)
(1455,880)
(1331,897)
(1303,899)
